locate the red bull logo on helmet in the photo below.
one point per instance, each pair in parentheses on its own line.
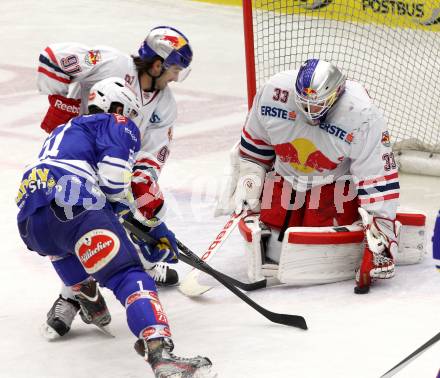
(309,92)
(303,156)
(175,41)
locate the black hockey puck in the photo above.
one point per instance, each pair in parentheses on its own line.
(361,290)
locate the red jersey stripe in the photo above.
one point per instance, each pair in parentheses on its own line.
(379,179)
(378,199)
(256,141)
(51,56)
(53,76)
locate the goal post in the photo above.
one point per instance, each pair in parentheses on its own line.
(392,47)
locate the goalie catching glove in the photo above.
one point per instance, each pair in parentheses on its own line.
(242,189)
(165,250)
(381,244)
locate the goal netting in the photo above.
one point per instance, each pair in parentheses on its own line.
(392,47)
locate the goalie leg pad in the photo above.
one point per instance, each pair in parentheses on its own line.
(255,243)
(319,255)
(412,238)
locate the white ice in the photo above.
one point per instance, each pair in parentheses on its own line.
(349,335)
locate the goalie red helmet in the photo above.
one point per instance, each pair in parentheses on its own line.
(169,44)
(318,85)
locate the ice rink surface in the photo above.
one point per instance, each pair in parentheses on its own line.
(349,337)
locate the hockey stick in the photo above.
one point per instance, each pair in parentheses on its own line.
(191,286)
(192,259)
(411,357)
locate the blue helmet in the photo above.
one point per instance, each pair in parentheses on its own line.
(171,45)
(318,85)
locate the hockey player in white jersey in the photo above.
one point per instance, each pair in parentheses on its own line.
(66,73)
(76,188)
(315,154)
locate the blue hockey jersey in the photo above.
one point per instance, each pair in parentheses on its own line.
(85,162)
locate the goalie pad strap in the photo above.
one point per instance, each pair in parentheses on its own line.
(409,219)
(338,237)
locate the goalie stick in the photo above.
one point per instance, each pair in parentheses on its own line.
(191,286)
(411,357)
(192,259)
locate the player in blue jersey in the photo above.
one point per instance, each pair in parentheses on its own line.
(67,71)
(79,182)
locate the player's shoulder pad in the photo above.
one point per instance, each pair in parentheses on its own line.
(126,127)
(284,80)
(167,98)
(355,110)
(279,88)
(115,125)
(356,99)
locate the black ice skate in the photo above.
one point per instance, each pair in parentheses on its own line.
(166,365)
(163,275)
(93,307)
(60,317)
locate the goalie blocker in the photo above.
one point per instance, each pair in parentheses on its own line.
(318,255)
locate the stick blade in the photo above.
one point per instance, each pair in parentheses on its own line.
(191,287)
(296,321)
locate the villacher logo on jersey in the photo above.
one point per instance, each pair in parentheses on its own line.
(92,252)
(96,249)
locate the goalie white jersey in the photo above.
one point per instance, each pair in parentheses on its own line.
(353,140)
(71,69)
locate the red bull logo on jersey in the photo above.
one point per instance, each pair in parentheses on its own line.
(386,141)
(303,156)
(92,57)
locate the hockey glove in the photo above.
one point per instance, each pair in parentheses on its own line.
(165,250)
(149,197)
(60,111)
(382,237)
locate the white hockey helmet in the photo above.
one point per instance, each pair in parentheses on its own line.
(111,92)
(318,85)
(171,45)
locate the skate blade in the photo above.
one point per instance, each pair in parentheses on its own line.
(205,372)
(48,332)
(106,330)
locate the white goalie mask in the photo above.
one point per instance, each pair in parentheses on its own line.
(112,91)
(318,85)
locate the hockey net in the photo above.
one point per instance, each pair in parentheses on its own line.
(390,46)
